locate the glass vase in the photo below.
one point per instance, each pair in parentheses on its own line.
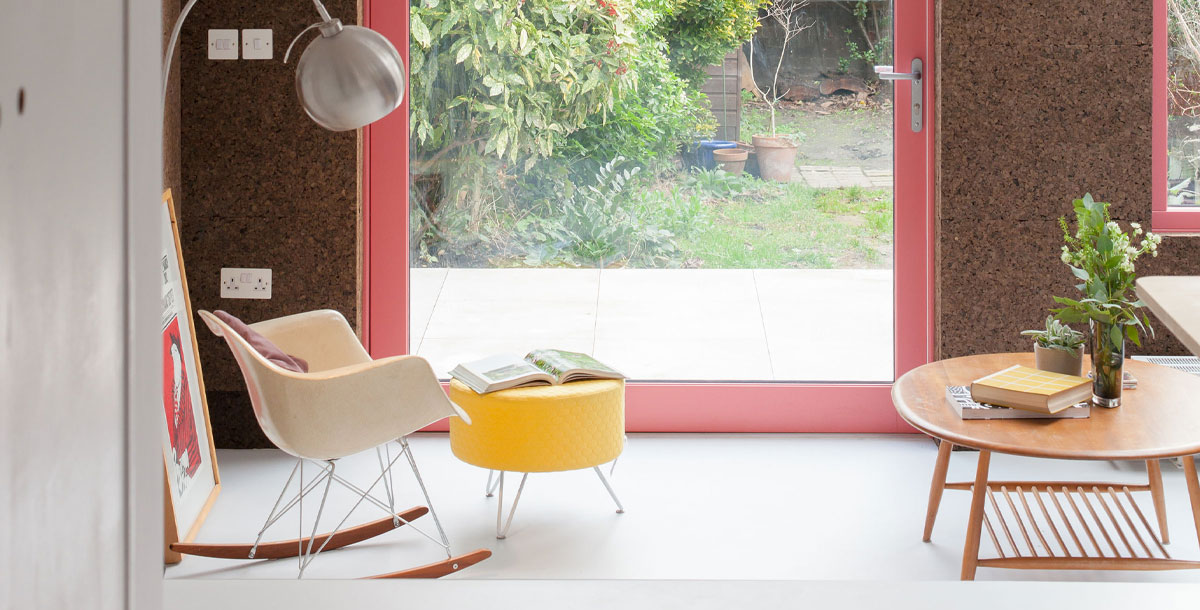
(1108,358)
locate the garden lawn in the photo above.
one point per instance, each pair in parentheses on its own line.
(773,226)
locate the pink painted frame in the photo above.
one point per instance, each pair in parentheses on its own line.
(691,407)
(1164,219)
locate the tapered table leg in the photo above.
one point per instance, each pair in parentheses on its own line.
(1193,486)
(1154,473)
(937,486)
(975,523)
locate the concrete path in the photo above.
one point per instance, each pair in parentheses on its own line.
(685,324)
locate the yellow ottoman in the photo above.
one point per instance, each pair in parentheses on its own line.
(539,429)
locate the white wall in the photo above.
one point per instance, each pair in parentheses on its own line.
(73,244)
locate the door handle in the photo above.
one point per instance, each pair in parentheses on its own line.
(917,78)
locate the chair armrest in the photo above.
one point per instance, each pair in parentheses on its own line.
(338,412)
(323,338)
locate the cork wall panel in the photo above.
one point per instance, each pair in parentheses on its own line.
(1040,101)
(263,186)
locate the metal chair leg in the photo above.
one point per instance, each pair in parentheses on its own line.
(307,557)
(603,479)
(412,462)
(501,534)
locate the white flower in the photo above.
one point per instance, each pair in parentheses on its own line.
(1066,257)
(1135,225)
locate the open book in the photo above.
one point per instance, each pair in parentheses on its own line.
(539,367)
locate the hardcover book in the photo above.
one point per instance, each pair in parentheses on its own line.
(1022,387)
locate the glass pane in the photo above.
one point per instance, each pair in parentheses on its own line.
(685,189)
(1183,100)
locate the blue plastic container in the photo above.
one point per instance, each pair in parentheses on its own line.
(704,152)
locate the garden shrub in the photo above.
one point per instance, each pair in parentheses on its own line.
(701,32)
(505,77)
(651,123)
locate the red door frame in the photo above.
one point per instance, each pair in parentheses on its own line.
(1164,219)
(691,407)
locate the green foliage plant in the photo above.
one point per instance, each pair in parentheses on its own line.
(701,32)
(1056,335)
(506,78)
(648,125)
(1101,255)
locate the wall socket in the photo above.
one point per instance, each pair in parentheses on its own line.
(237,283)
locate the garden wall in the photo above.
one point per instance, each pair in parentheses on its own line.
(819,49)
(1040,101)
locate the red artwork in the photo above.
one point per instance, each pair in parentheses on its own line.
(177,401)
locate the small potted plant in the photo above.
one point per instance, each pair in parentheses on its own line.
(1058,348)
(776,156)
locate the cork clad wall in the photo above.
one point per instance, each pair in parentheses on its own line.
(1040,102)
(262,186)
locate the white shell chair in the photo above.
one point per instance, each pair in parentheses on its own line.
(345,404)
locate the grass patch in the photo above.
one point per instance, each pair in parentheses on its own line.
(764,225)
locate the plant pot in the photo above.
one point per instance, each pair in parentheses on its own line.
(1059,361)
(731,160)
(776,158)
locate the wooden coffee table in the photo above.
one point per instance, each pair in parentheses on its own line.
(1062,524)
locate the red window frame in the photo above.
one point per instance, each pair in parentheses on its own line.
(701,406)
(1164,219)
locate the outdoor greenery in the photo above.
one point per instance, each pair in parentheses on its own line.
(1056,335)
(701,32)
(874,28)
(548,133)
(1101,255)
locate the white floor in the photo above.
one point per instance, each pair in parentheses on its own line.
(684,324)
(725,507)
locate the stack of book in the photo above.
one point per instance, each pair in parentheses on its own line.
(1022,392)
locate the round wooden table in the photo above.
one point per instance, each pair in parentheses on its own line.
(1061,524)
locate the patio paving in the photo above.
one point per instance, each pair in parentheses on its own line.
(682,324)
(824,176)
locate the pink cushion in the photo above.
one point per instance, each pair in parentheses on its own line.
(263,345)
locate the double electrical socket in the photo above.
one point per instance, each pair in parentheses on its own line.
(239,283)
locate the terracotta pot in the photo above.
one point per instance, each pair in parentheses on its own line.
(776,158)
(732,160)
(1059,361)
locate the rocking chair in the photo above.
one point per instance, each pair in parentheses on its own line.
(345,404)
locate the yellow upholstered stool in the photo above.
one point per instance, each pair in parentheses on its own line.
(540,429)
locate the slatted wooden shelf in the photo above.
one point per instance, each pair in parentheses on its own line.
(1066,526)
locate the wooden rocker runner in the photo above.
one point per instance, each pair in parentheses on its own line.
(344,403)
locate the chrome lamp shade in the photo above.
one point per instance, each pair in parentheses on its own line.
(349,77)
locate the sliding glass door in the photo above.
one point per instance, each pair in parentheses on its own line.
(741,226)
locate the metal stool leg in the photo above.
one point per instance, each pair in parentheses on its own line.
(603,479)
(502,533)
(491,487)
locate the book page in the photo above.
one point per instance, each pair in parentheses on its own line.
(559,362)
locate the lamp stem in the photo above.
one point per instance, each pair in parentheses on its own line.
(166,75)
(321,11)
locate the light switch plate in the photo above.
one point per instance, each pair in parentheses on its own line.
(222,44)
(256,44)
(238,283)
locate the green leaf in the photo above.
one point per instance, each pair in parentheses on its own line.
(420,33)
(463,53)
(1080,273)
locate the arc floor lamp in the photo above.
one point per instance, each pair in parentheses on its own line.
(347,77)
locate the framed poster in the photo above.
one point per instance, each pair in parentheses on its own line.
(192,479)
